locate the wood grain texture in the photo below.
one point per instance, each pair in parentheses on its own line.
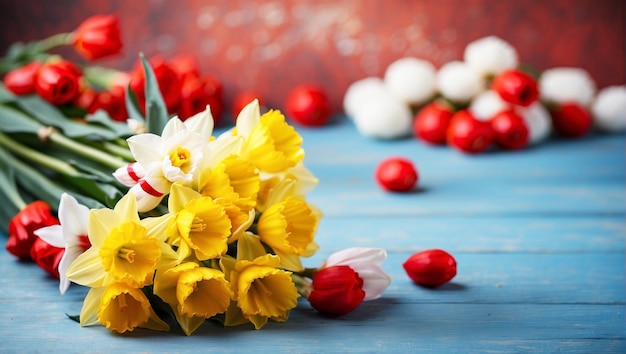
(272,46)
(539,236)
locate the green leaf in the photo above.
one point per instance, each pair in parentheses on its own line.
(156,112)
(6,95)
(132,105)
(47,114)
(75,318)
(14,121)
(102,118)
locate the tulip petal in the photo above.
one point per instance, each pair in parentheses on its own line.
(375,280)
(351,255)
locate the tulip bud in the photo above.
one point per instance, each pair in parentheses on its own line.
(571,120)
(97,37)
(57,82)
(23,225)
(336,290)
(468,134)
(516,87)
(430,268)
(167,79)
(21,81)
(431,123)
(47,256)
(510,130)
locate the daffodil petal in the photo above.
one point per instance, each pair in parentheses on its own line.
(173,127)
(87,269)
(201,123)
(126,208)
(146,148)
(53,235)
(188,324)
(101,223)
(91,305)
(248,118)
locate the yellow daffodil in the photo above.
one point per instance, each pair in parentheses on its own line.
(289,228)
(123,248)
(193,292)
(198,224)
(232,178)
(262,291)
(120,308)
(271,143)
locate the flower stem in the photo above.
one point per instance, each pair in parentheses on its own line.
(304,286)
(118,150)
(37,157)
(7,182)
(56,40)
(86,151)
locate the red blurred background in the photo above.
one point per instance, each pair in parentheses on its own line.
(272,46)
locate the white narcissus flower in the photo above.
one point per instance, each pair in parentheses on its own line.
(367,263)
(458,82)
(360,92)
(71,235)
(490,56)
(538,120)
(563,84)
(383,117)
(411,80)
(488,104)
(173,157)
(609,109)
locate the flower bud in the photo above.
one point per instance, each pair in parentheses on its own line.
(431,123)
(490,55)
(47,256)
(23,225)
(468,134)
(336,290)
(516,87)
(609,109)
(21,81)
(571,119)
(98,37)
(458,82)
(411,80)
(510,130)
(57,82)
(430,268)
(563,84)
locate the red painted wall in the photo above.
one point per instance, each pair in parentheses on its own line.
(272,46)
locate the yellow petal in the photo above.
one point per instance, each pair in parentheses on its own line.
(91,305)
(126,208)
(249,247)
(87,269)
(101,222)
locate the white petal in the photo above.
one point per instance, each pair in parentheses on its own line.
(458,82)
(488,104)
(249,117)
(201,123)
(563,84)
(411,80)
(173,127)
(53,235)
(146,148)
(490,55)
(130,174)
(74,218)
(71,253)
(148,201)
(538,120)
(352,255)
(360,92)
(384,117)
(375,280)
(609,109)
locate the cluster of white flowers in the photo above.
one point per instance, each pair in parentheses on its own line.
(382,107)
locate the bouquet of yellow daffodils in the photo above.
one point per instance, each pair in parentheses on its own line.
(207,227)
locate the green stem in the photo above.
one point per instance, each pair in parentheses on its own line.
(100,76)
(86,151)
(37,157)
(304,286)
(118,150)
(52,190)
(7,181)
(56,40)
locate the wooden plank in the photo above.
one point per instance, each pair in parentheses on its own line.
(481,234)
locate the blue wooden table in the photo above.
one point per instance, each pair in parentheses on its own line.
(539,237)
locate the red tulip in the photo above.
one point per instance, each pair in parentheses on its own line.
(23,225)
(510,130)
(47,256)
(396,174)
(197,93)
(98,37)
(167,79)
(308,106)
(337,290)
(112,101)
(58,82)
(431,123)
(468,134)
(242,99)
(430,268)
(21,81)
(571,120)
(516,87)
